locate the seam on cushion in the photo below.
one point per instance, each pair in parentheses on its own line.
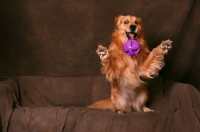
(154,126)
(192,99)
(198,117)
(14,90)
(79,119)
(92,91)
(69,110)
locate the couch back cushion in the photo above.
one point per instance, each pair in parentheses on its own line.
(62,91)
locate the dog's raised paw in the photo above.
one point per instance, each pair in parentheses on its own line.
(166,45)
(102,52)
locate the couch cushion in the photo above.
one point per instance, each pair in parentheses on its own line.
(176,105)
(87,120)
(62,91)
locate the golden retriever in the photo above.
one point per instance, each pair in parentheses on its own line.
(125,73)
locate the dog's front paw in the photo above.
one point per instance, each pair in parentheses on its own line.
(153,74)
(166,46)
(102,52)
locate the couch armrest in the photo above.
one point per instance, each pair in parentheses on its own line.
(9,95)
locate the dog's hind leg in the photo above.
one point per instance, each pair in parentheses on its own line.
(139,99)
(119,98)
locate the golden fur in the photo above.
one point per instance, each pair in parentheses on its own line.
(128,92)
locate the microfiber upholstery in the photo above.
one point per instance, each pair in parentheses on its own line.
(84,120)
(9,96)
(62,91)
(58,104)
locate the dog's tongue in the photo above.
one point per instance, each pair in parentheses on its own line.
(131,35)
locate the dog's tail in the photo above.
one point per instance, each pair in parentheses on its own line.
(103,104)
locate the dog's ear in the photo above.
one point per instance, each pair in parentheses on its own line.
(139,20)
(118,19)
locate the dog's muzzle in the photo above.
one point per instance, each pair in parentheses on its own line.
(132,34)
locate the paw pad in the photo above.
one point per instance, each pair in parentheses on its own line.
(102,52)
(166,45)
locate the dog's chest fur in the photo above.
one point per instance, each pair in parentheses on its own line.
(129,75)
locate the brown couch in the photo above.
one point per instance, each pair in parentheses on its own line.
(57,104)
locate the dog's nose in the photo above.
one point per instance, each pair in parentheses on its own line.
(132,27)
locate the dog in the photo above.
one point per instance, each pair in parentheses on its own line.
(127,73)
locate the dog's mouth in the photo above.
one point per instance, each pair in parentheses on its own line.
(131,35)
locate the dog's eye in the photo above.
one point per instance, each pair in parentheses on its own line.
(126,22)
(136,22)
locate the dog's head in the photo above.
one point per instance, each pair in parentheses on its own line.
(128,26)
